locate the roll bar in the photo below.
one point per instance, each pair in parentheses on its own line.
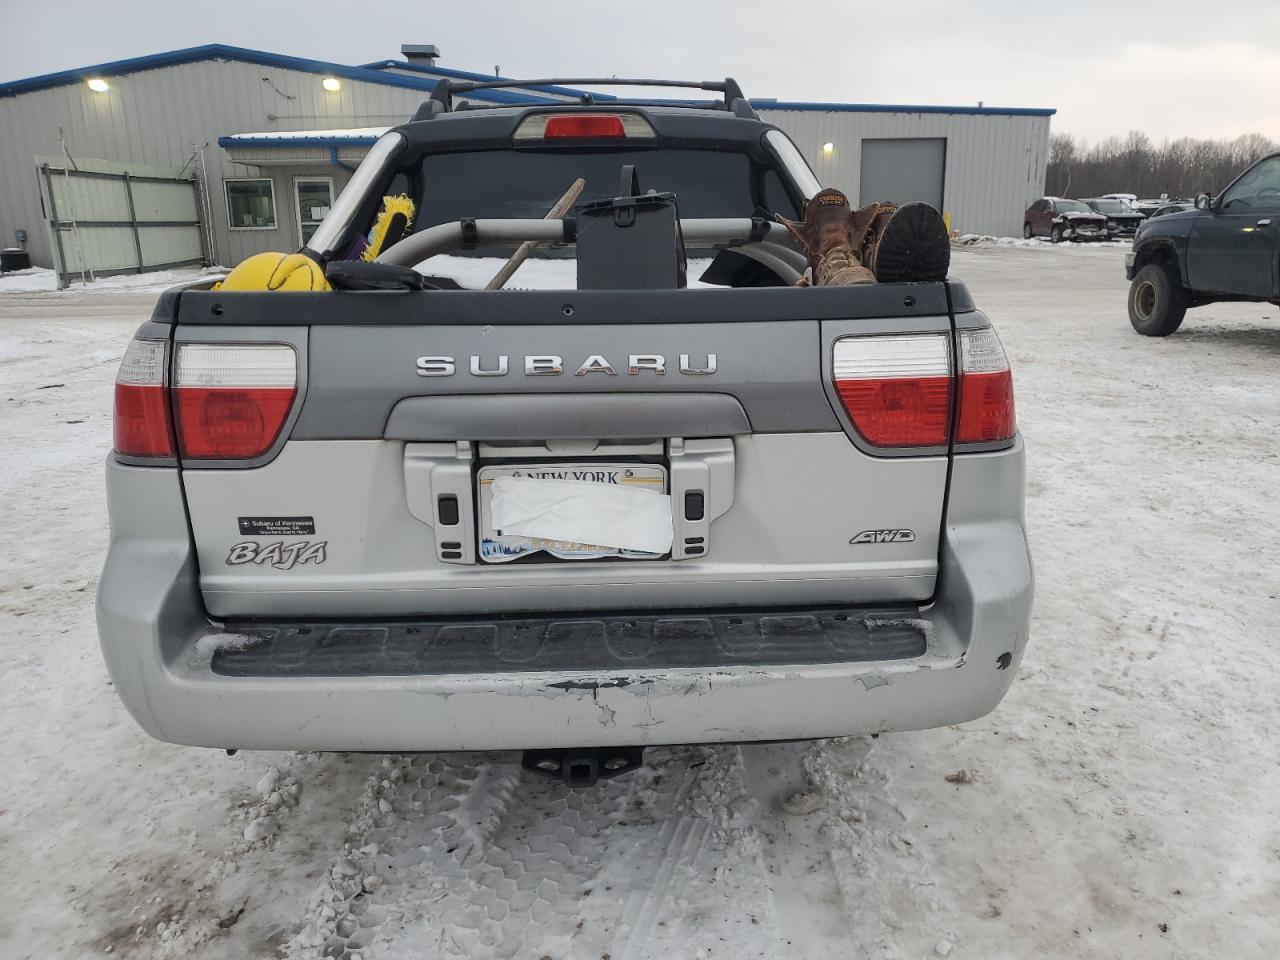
(760,239)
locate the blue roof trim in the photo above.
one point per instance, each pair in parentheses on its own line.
(219,51)
(297,141)
(902,108)
(378,73)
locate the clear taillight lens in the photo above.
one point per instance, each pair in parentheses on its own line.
(986,390)
(231,400)
(141,424)
(896,389)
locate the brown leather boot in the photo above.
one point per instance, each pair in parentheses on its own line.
(907,244)
(831,236)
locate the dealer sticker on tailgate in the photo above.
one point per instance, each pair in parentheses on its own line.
(497,547)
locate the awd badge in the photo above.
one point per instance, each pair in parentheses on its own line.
(885,536)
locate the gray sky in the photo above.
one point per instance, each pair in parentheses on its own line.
(1168,67)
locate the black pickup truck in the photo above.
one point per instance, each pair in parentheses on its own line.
(1227,248)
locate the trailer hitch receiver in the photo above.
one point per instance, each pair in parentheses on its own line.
(582,766)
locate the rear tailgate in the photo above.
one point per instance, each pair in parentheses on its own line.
(369,503)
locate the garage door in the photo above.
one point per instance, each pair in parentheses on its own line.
(902,170)
(108,218)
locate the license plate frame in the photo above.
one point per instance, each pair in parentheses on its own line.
(495,548)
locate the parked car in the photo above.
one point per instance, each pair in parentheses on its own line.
(308,549)
(1060,219)
(1180,206)
(1225,248)
(1148,207)
(1122,219)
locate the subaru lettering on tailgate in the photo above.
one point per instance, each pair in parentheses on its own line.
(548,365)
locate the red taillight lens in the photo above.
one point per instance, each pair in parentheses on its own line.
(141,426)
(896,389)
(986,390)
(899,412)
(231,400)
(584,126)
(229,424)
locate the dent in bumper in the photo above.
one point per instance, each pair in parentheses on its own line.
(151,620)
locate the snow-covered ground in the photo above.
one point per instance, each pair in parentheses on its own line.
(37,279)
(1123,802)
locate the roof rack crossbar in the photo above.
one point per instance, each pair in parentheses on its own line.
(441,100)
(460,86)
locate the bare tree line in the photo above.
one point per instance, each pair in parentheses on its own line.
(1133,164)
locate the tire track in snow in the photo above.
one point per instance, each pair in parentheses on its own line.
(431,864)
(331,915)
(441,859)
(799,876)
(466,856)
(429,834)
(886,876)
(451,856)
(680,839)
(704,893)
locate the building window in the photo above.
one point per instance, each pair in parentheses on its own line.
(313,196)
(251,204)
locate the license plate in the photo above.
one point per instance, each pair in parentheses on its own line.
(503,548)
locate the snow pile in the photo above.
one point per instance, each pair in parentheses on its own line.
(1038,243)
(40,280)
(28,281)
(985,240)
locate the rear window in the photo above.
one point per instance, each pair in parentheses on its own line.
(1113,207)
(527,183)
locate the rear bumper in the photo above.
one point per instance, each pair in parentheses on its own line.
(156,640)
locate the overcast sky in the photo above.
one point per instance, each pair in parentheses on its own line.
(1168,67)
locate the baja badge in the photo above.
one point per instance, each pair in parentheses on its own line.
(280,555)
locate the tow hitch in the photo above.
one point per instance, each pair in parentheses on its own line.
(582,766)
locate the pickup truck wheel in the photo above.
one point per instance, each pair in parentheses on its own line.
(1157,302)
(1026,231)
(1056,234)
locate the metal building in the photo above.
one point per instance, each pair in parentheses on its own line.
(213,153)
(981,166)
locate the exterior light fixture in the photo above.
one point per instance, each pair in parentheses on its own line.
(828,147)
(332,84)
(98,85)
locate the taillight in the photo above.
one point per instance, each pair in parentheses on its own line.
(231,400)
(896,389)
(585,126)
(142,427)
(986,390)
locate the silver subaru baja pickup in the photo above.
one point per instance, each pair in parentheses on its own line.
(571,522)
